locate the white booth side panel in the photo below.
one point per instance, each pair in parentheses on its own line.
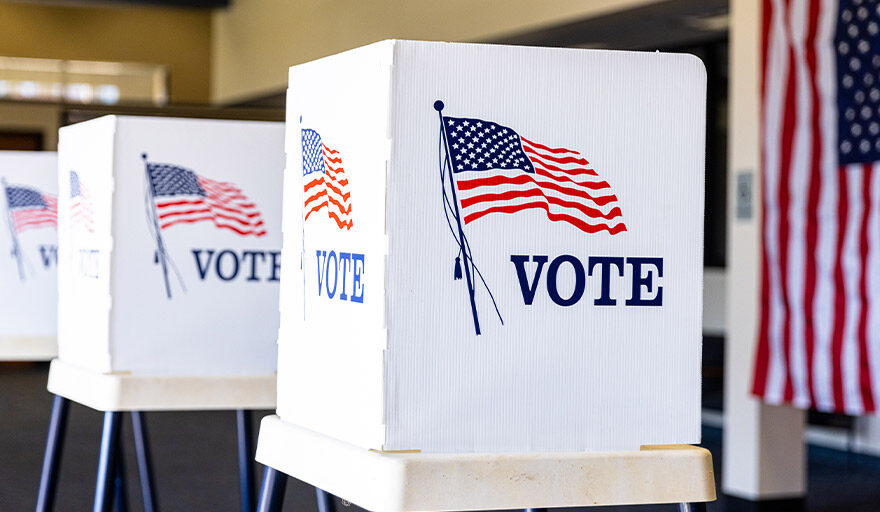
(562,371)
(28,245)
(218,312)
(85,242)
(333,326)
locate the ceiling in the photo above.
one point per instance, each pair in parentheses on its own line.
(662,25)
(203,4)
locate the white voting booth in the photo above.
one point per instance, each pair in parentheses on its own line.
(170,248)
(28,255)
(493,255)
(170,255)
(169,266)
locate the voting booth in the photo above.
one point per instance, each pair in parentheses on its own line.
(499,248)
(170,237)
(28,255)
(170,243)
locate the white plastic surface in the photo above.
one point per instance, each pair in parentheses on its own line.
(398,482)
(30,348)
(126,392)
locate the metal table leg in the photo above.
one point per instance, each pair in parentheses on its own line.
(325,501)
(120,492)
(245,459)
(144,461)
(107,461)
(272,491)
(52,457)
(691,507)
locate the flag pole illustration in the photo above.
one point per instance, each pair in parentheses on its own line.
(494,170)
(178,195)
(161,255)
(16,248)
(464,250)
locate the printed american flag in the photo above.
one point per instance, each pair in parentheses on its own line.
(81,211)
(326,186)
(499,171)
(819,335)
(31,209)
(184,197)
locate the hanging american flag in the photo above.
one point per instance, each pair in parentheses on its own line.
(819,334)
(31,209)
(182,197)
(326,186)
(81,211)
(499,171)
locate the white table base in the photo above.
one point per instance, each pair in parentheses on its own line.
(398,482)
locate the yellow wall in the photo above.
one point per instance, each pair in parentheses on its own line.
(255,41)
(177,38)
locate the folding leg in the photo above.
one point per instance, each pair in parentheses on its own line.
(245,459)
(119,491)
(691,507)
(107,461)
(52,457)
(325,501)
(535,510)
(272,491)
(144,461)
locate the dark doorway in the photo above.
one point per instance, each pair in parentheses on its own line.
(21,141)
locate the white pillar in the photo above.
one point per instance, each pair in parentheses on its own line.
(764,451)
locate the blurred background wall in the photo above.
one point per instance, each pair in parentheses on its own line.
(177,38)
(304,30)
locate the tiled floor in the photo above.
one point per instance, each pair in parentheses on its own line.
(196,465)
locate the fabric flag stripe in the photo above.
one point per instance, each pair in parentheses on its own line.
(498,171)
(326,185)
(818,340)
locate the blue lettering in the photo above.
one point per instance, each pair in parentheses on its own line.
(357,291)
(318,255)
(219,265)
(49,255)
(528,290)
(332,254)
(276,265)
(605,263)
(253,255)
(344,258)
(202,269)
(638,281)
(579,280)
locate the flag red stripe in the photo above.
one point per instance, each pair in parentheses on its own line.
(592,185)
(546,148)
(555,159)
(789,124)
(314,183)
(864,355)
(762,357)
(813,194)
(525,178)
(316,207)
(555,217)
(537,192)
(580,171)
(840,295)
(339,222)
(191,220)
